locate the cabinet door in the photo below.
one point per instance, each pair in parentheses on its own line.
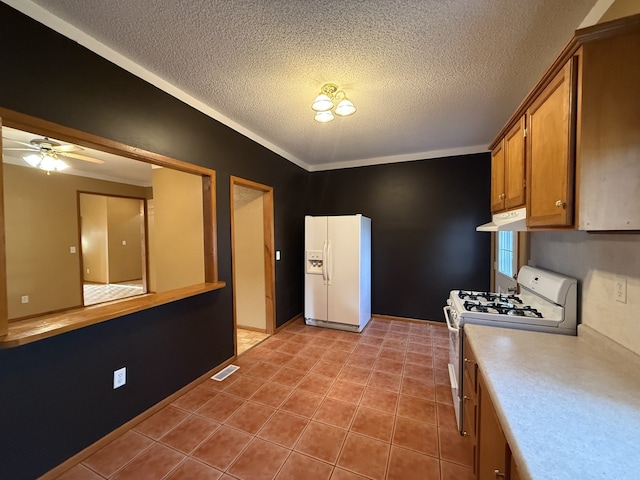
(514,166)
(497,178)
(550,152)
(493,451)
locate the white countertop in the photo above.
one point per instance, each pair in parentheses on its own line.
(569,409)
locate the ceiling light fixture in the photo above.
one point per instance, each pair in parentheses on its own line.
(46,160)
(326,101)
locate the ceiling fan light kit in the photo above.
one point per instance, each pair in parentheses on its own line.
(326,101)
(44,154)
(47,161)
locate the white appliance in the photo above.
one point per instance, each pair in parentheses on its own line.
(547,302)
(513,220)
(337,286)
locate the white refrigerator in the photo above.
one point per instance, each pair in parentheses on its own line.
(337,287)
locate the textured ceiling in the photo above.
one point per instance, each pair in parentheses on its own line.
(429,78)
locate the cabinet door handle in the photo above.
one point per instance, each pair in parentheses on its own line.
(560,203)
(465,434)
(499,474)
(466,360)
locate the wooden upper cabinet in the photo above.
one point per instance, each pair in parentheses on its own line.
(514,160)
(507,170)
(550,151)
(497,178)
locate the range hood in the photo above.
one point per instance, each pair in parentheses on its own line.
(514,221)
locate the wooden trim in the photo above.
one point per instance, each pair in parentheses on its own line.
(269,260)
(28,123)
(608,29)
(435,323)
(144,248)
(210,227)
(4,306)
(46,326)
(269,254)
(124,428)
(252,329)
(288,322)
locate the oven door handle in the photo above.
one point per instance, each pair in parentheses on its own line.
(447,318)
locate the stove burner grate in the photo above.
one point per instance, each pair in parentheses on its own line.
(502,309)
(488,297)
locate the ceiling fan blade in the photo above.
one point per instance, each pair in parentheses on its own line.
(21,149)
(67,148)
(80,157)
(17,141)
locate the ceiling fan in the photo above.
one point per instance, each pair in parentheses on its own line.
(45,152)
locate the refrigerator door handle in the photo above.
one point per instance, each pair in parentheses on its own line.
(330,266)
(324,262)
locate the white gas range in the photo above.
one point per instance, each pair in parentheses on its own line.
(547,302)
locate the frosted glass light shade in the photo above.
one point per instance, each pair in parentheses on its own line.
(322,103)
(45,162)
(345,107)
(34,159)
(324,117)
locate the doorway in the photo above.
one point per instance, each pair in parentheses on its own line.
(253,263)
(113,246)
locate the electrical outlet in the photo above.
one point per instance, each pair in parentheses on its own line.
(88,271)
(119,377)
(72,249)
(620,289)
(24,299)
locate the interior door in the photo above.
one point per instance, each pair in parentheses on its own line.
(344,269)
(315,288)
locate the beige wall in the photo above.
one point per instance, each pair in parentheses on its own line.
(93,213)
(248,259)
(124,224)
(621,8)
(596,260)
(176,236)
(41,224)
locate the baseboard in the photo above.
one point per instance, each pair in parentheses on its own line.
(288,322)
(91,449)
(410,320)
(252,329)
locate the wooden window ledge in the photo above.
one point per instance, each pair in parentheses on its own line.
(38,328)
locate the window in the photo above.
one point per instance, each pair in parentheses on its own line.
(177,190)
(507,253)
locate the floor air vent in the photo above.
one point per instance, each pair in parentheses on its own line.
(225,372)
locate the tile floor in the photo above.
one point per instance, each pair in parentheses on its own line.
(100,293)
(247,339)
(308,403)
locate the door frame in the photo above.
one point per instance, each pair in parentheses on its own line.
(144,237)
(269,251)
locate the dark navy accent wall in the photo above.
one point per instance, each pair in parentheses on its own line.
(423,219)
(55,394)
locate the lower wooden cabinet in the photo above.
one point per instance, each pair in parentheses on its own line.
(493,450)
(492,459)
